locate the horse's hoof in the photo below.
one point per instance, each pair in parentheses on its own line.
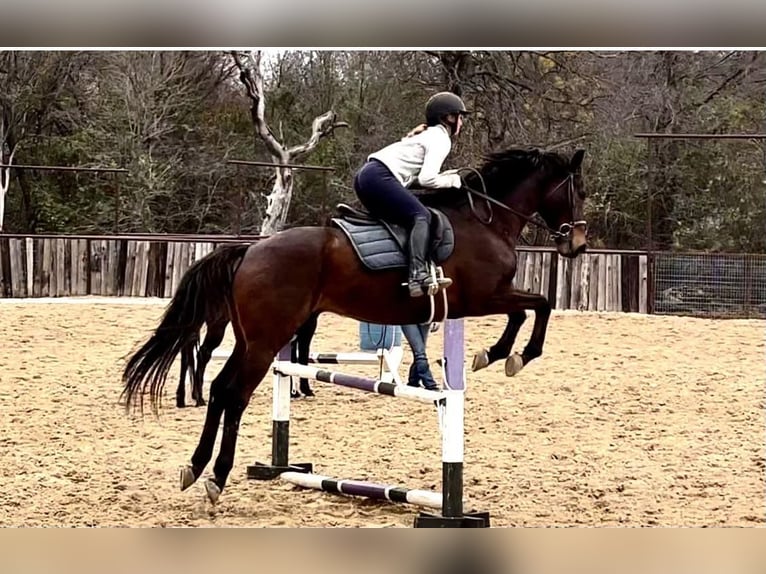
(200,403)
(513,364)
(480,360)
(213,490)
(187,477)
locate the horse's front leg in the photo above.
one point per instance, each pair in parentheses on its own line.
(515,304)
(501,349)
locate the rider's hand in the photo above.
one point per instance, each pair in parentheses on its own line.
(454,176)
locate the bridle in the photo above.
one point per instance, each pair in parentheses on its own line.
(564,232)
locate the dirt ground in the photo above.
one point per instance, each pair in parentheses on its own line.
(625,420)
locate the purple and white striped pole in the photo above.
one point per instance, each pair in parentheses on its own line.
(367,489)
(288,369)
(345,358)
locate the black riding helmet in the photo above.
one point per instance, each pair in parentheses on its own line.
(442,104)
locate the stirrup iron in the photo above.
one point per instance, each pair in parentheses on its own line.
(438,280)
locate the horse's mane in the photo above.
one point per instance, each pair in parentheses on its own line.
(513,165)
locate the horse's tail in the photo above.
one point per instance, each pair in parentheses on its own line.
(205,286)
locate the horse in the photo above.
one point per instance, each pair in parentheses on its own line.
(216,329)
(275,285)
(300,348)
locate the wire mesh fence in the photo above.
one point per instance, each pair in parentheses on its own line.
(710,285)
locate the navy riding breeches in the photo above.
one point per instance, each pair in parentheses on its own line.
(385,197)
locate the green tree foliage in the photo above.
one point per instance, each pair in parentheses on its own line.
(174,118)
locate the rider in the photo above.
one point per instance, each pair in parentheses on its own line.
(381,184)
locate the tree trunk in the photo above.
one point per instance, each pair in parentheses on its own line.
(4,175)
(5,181)
(6,158)
(664,181)
(28,207)
(278,201)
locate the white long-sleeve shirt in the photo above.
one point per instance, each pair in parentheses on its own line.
(420,157)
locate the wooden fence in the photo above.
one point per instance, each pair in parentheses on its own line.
(143,266)
(595,281)
(136,266)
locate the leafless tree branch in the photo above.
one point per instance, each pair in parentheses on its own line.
(278,201)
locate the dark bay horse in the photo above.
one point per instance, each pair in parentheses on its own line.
(275,285)
(195,355)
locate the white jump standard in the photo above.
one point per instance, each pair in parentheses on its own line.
(450,403)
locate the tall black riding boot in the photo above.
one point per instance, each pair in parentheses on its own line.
(418,246)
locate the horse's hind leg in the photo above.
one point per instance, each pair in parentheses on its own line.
(300,349)
(213,339)
(305,335)
(295,358)
(187,365)
(204,451)
(235,399)
(181,389)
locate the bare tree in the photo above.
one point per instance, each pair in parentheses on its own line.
(7,150)
(278,201)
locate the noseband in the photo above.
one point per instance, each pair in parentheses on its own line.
(565,229)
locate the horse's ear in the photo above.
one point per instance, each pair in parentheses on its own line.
(576,161)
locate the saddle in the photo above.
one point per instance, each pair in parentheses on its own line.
(381,245)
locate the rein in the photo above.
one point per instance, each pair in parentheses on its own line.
(562,233)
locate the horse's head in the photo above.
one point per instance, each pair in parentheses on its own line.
(532,181)
(526,181)
(562,206)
